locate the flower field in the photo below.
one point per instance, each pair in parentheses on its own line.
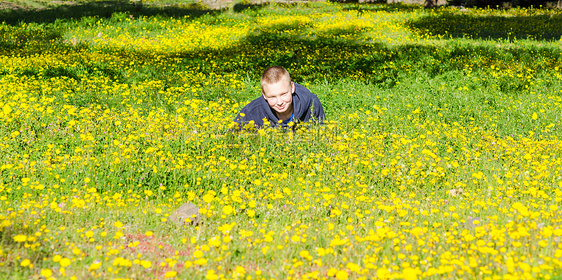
(440,159)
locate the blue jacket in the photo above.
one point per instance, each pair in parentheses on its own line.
(306,106)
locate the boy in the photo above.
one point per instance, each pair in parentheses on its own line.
(282,102)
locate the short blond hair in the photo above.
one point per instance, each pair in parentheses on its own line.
(273,75)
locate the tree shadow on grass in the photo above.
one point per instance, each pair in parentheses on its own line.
(277,44)
(103,9)
(456,25)
(310,55)
(334,54)
(240,7)
(377,6)
(13,38)
(342,52)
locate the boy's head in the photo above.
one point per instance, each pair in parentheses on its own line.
(277,89)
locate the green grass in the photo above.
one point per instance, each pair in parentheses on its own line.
(115,114)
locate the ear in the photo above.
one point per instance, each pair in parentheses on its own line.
(292,87)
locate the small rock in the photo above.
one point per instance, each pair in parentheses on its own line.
(188,213)
(455,192)
(540,225)
(473,222)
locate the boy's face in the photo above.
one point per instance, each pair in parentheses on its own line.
(279,95)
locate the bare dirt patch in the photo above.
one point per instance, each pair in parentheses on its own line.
(4,5)
(63,3)
(157,250)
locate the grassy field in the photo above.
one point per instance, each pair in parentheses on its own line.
(440,160)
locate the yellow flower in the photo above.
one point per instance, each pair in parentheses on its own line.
(94,266)
(251,213)
(383,273)
(227,210)
(211,275)
(46,272)
(6,109)
(201,261)
(304,254)
(118,224)
(170,274)
(25,263)
(342,275)
(76,251)
(353,267)
(145,264)
(20,238)
(64,262)
(410,274)
(198,254)
(208,198)
(240,270)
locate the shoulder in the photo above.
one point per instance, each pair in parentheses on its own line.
(253,111)
(254,105)
(305,94)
